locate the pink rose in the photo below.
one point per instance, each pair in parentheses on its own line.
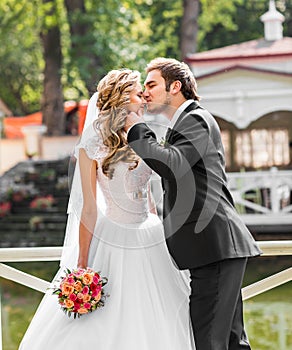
(87,305)
(76,306)
(73,297)
(93,286)
(96,291)
(71,280)
(80,296)
(85,290)
(95,279)
(79,272)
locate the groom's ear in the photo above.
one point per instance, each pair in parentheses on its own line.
(175,87)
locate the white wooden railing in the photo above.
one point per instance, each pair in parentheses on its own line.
(263,197)
(269,248)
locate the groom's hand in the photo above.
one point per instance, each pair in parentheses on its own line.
(132,119)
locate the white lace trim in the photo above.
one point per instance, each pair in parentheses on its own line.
(94,148)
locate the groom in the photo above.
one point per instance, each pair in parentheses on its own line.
(203,231)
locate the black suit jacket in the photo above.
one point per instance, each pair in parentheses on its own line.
(200,222)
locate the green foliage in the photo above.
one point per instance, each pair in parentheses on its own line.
(20,56)
(285,6)
(225,22)
(164,24)
(118,33)
(216,15)
(124,34)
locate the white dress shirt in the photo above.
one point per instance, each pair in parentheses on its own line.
(180,109)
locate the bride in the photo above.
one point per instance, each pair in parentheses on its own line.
(113,228)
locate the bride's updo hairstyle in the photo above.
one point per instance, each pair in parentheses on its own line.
(113,97)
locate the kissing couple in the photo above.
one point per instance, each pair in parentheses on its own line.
(175,283)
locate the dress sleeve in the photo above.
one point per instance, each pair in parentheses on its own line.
(93,146)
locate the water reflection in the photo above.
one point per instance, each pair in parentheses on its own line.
(269,325)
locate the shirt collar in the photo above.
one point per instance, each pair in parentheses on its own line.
(178,112)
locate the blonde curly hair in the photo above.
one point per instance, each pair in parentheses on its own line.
(113,97)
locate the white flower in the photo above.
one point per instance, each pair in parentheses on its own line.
(163,142)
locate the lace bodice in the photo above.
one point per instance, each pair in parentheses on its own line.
(125,194)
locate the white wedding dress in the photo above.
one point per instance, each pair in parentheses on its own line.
(148,306)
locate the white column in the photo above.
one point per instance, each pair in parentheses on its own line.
(33,140)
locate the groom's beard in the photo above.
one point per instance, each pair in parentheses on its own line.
(159,108)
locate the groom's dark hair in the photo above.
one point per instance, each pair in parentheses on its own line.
(172,70)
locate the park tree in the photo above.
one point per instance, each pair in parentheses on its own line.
(84,58)
(189,27)
(55,48)
(52,97)
(20,56)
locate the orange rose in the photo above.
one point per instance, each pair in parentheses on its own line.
(69,303)
(78,286)
(97,298)
(87,278)
(86,298)
(82,310)
(67,289)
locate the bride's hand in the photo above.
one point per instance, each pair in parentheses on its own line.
(133,118)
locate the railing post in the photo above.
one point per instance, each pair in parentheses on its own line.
(275,203)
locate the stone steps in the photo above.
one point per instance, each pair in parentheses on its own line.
(36,227)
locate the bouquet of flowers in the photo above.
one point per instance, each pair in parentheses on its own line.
(81,291)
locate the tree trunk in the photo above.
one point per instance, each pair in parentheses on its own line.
(77,27)
(189,27)
(82,43)
(52,100)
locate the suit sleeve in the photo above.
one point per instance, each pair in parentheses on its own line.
(189,142)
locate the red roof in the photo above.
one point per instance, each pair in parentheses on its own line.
(249,49)
(245,68)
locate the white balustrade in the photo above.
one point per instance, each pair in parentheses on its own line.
(263,197)
(269,248)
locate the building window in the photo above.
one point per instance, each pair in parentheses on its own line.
(262,148)
(225,136)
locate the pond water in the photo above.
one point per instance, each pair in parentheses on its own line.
(269,325)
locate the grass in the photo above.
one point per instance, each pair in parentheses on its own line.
(20,303)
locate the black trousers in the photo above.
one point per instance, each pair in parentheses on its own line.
(216,306)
